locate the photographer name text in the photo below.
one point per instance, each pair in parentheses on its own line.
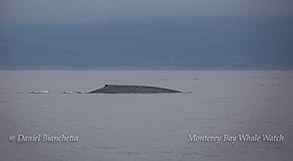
(43,138)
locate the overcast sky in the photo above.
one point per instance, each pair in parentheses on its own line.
(47,11)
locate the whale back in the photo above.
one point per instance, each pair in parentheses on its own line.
(132,89)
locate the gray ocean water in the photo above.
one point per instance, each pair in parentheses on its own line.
(146,126)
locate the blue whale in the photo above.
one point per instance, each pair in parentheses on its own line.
(119,89)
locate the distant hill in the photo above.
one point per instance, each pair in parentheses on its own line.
(186,43)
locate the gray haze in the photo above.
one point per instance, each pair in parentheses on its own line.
(47,11)
(153,34)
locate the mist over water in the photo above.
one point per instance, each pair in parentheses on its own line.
(263,42)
